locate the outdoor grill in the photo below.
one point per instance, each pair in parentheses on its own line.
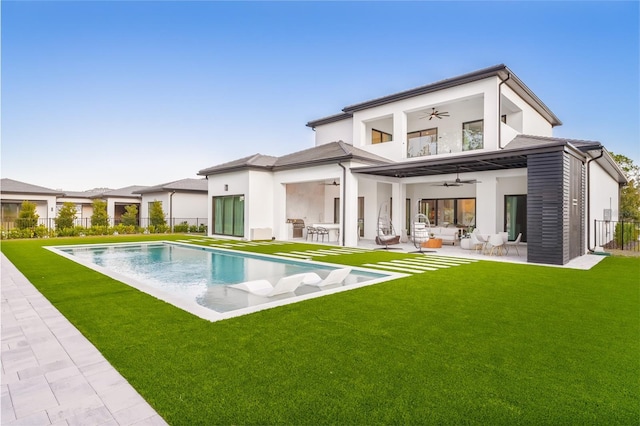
(298,227)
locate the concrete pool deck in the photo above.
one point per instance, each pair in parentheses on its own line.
(51,374)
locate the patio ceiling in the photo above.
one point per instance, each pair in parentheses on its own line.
(434,167)
(515,158)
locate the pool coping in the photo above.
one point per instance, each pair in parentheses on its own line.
(200,311)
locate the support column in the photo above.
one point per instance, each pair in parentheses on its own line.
(350,219)
(398,195)
(486,202)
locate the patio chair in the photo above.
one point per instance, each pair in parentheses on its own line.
(265,289)
(386,235)
(476,243)
(496,242)
(311,231)
(420,230)
(321,231)
(335,277)
(514,243)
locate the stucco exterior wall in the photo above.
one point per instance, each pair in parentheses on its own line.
(532,123)
(190,206)
(481,103)
(332,132)
(603,195)
(163,197)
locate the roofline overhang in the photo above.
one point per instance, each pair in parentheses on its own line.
(501,71)
(46,194)
(328,120)
(210,172)
(169,189)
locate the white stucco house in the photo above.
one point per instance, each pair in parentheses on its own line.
(474,150)
(13,193)
(183,200)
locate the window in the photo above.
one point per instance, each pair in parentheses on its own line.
(472,135)
(378,136)
(460,212)
(422,142)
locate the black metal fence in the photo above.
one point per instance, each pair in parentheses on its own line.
(617,235)
(177,224)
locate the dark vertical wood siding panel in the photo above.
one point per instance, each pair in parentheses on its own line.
(546,208)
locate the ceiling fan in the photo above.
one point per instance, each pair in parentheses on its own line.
(457,182)
(435,114)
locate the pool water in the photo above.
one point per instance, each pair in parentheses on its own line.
(201,274)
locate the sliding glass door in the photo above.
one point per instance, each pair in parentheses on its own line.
(460,212)
(228,215)
(515,216)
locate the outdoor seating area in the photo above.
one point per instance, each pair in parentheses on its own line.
(330,231)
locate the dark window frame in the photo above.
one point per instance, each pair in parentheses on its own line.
(382,134)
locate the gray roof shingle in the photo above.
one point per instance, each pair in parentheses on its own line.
(183,185)
(332,152)
(15,186)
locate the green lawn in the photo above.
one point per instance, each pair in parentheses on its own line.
(485,343)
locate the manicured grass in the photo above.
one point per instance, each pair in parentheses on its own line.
(486,343)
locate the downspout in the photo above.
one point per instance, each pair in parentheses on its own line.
(500,109)
(591,249)
(344,202)
(171,210)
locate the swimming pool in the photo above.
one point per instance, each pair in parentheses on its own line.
(196,278)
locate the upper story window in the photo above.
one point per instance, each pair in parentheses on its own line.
(378,136)
(422,142)
(473,135)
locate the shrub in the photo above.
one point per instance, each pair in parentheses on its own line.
(123,229)
(27,218)
(66,216)
(156,214)
(130,217)
(202,228)
(160,229)
(99,216)
(182,227)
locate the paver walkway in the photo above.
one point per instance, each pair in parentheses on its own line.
(51,374)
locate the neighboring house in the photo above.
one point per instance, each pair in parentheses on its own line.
(13,193)
(475,150)
(118,199)
(182,201)
(83,200)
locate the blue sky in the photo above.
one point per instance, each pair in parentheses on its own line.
(112,94)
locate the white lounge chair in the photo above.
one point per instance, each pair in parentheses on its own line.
(265,289)
(335,277)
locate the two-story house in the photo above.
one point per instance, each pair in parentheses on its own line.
(474,150)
